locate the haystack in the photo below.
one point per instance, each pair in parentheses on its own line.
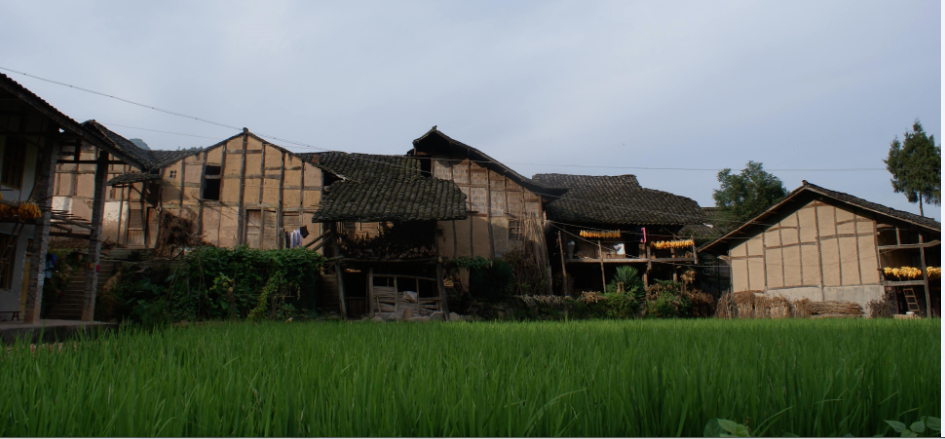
(726,307)
(835,307)
(800,308)
(778,308)
(745,305)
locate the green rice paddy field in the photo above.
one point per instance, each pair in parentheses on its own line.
(589,378)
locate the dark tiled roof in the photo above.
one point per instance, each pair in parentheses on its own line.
(394,199)
(617,200)
(868,205)
(132,177)
(702,230)
(163,158)
(838,196)
(125,146)
(93,136)
(363,167)
(484,159)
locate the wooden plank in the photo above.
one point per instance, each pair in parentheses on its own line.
(909,246)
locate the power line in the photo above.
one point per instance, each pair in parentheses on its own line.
(305,145)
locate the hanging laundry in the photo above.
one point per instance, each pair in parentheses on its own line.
(304,231)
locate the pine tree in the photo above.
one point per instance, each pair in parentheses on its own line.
(916,166)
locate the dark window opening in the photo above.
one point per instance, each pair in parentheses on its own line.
(211,183)
(14,160)
(426,166)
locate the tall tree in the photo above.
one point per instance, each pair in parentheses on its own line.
(742,196)
(916,166)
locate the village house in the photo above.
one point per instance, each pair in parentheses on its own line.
(34,138)
(242,190)
(603,222)
(388,223)
(824,245)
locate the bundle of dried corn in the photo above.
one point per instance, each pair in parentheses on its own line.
(726,307)
(835,307)
(745,305)
(800,308)
(779,308)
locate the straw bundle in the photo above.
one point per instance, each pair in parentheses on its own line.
(835,307)
(591,297)
(885,307)
(745,305)
(726,307)
(533,301)
(800,308)
(778,308)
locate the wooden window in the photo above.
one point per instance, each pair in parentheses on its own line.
(515,230)
(14,161)
(211,183)
(172,174)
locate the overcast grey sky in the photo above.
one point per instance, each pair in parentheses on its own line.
(565,86)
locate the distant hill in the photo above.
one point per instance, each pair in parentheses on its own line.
(140,144)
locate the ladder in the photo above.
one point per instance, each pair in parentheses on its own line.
(911,300)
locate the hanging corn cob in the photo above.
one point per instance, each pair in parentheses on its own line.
(903,272)
(600,234)
(663,245)
(7,210)
(28,210)
(935,272)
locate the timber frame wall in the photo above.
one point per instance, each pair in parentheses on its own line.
(500,212)
(264,189)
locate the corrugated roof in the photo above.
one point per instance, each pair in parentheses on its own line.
(617,200)
(842,197)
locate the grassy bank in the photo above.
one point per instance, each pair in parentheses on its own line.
(591,378)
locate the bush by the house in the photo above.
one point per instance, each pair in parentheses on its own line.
(213,283)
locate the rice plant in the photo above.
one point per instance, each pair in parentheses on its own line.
(587,378)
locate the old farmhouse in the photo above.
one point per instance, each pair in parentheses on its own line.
(35,137)
(825,245)
(388,222)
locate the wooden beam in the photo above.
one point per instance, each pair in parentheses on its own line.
(444,306)
(908,246)
(564,268)
(280,224)
(339,271)
(95,238)
(241,214)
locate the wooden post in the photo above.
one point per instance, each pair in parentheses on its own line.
(241,213)
(95,238)
(925,277)
(600,256)
(564,268)
(695,256)
(280,223)
(442,289)
(45,177)
(339,272)
(649,265)
(371,292)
